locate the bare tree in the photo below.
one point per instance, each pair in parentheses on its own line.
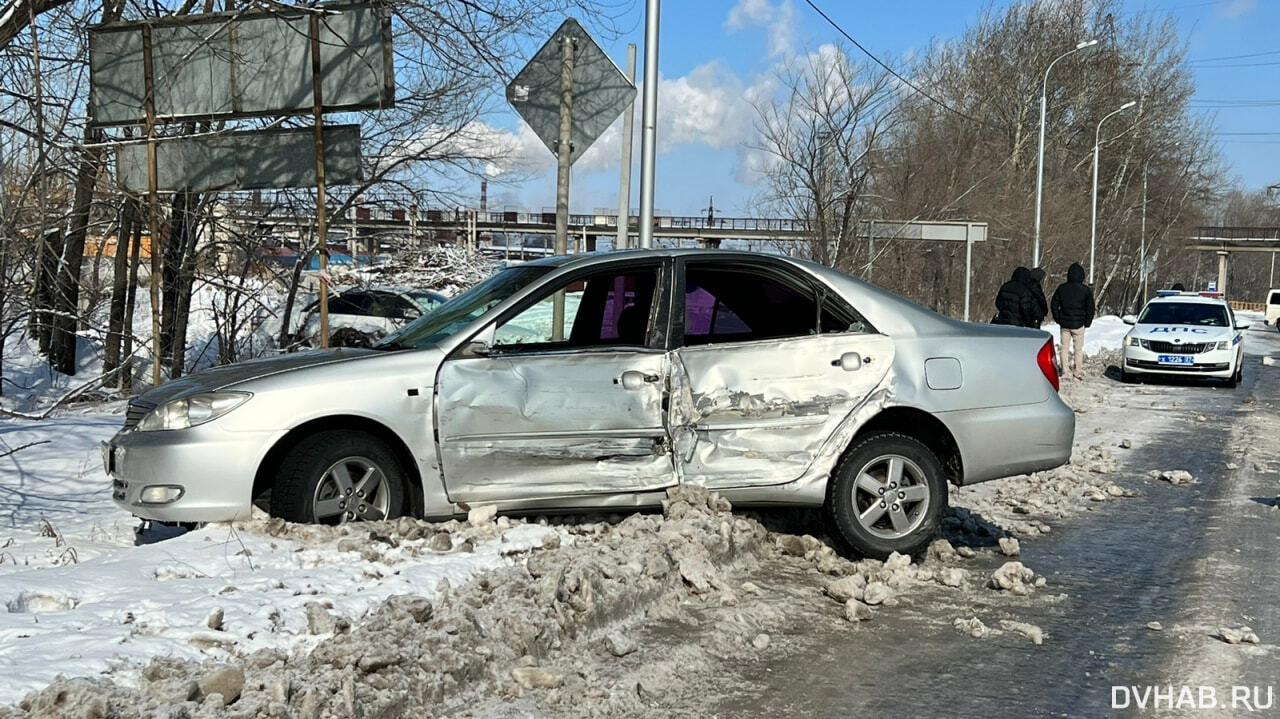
(975,158)
(822,138)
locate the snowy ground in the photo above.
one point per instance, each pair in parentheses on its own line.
(84,601)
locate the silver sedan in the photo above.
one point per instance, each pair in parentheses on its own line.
(599,381)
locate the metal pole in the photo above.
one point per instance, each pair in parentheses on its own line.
(624,183)
(1035,245)
(322,225)
(153,202)
(968,266)
(649,134)
(871,249)
(1044,92)
(1093,217)
(1272,282)
(1142,236)
(563,160)
(1093,223)
(1222,271)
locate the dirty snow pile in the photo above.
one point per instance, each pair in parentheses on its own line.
(431,640)
(228,591)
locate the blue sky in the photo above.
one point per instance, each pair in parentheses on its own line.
(714,55)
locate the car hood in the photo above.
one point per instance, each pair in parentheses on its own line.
(1182,334)
(227,376)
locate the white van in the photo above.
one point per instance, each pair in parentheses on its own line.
(1273,307)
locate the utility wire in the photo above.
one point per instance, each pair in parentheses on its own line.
(893,72)
(1236,64)
(1233,57)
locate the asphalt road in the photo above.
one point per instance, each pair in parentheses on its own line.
(1195,558)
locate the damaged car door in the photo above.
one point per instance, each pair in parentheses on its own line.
(562,396)
(769,366)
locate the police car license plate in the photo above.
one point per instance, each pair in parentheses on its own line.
(1176,359)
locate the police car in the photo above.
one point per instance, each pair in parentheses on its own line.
(1185,334)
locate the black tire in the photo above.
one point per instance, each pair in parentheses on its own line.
(1236,376)
(310,484)
(1127,377)
(847,500)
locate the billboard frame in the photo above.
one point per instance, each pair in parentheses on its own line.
(232,21)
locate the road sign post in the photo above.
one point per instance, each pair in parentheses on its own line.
(569,93)
(564,148)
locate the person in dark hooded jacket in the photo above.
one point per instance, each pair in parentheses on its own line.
(1042,303)
(1073,309)
(1015,301)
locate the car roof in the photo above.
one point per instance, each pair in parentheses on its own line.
(1187,299)
(887,311)
(585,258)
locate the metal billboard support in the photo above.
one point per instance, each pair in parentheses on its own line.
(153,202)
(322,228)
(624,184)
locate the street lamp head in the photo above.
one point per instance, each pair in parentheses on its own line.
(1128,104)
(1086,43)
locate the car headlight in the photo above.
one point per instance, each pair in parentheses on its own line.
(1224,345)
(191,411)
(1131,340)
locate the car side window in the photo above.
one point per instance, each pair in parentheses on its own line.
(352,303)
(736,305)
(605,309)
(396,307)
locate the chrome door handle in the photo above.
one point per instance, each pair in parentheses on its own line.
(850,361)
(633,379)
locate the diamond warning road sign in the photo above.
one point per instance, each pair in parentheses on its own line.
(600,91)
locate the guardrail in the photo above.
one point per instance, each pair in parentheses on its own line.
(1254,306)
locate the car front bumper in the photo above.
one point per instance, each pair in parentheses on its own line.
(1214,363)
(213,471)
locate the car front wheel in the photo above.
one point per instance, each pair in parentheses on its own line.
(339,476)
(888,494)
(1238,375)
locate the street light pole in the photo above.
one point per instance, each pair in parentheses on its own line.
(649,118)
(1142,237)
(1093,222)
(1044,91)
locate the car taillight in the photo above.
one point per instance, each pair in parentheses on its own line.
(1047,364)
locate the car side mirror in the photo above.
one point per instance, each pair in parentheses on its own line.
(1129,320)
(1242,325)
(476,348)
(480,345)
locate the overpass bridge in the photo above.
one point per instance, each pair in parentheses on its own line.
(383,220)
(1224,241)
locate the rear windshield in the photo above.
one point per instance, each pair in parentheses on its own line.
(1184,313)
(1275,299)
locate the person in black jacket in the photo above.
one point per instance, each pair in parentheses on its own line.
(1015,302)
(1042,303)
(1073,309)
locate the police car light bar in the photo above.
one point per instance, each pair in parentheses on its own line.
(1215,295)
(1167,293)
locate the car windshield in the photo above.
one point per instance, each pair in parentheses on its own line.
(448,318)
(1184,313)
(428,300)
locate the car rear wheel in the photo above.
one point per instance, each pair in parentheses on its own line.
(888,494)
(338,476)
